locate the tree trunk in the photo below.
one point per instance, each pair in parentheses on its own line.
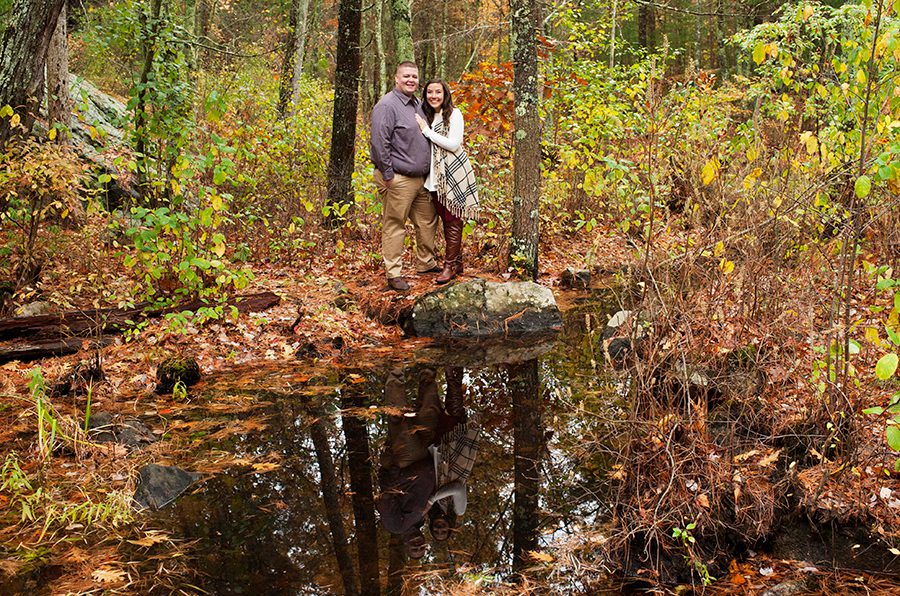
(292,65)
(202,14)
(401,16)
(329,485)
(646,26)
(359,462)
(346,100)
(523,251)
(59,105)
(149,33)
(528,446)
(381,75)
(23,54)
(612,34)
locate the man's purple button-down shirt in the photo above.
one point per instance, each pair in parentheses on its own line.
(398,145)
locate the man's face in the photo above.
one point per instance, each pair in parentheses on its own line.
(407,80)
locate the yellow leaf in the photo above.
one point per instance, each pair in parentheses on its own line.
(719,249)
(726,266)
(52,134)
(752,153)
(264,467)
(14,121)
(216,202)
(872,336)
(538,556)
(710,171)
(807,12)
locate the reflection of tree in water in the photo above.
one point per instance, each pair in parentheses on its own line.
(528,446)
(311,527)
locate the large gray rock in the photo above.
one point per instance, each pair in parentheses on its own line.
(480,309)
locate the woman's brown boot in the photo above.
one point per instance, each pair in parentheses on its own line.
(453,254)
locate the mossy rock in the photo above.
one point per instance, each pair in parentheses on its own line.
(176,369)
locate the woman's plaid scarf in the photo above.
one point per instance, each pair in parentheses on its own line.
(455,180)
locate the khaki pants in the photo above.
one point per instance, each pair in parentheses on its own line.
(406,198)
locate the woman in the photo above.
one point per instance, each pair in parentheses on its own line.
(454,456)
(451,180)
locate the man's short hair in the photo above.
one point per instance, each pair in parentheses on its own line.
(409,63)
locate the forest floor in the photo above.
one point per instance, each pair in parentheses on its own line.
(309,323)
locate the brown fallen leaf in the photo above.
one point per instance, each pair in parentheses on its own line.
(107,575)
(541,557)
(152,537)
(770,459)
(264,467)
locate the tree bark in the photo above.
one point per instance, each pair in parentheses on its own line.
(528,446)
(202,14)
(149,33)
(523,251)
(59,105)
(359,462)
(346,99)
(381,75)
(292,66)
(23,54)
(329,486)
(646,26)
(401,16)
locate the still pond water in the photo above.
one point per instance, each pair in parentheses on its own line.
(311,524)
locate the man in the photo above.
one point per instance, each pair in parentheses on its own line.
(402,158)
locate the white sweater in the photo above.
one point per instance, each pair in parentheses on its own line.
(452,142)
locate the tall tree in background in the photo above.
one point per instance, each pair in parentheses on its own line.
(348,66)
(202,16)
(23,55)
(292,66)
(523,251)
(401,16)
(59,105)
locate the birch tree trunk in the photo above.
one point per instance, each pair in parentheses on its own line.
(292,63)
(523,250)
(381,68)
(401,16)
(23,54)
(59,105)
(346,99)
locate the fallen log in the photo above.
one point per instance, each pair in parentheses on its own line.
(63,333)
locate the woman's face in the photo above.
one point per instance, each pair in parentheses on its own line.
(434,95)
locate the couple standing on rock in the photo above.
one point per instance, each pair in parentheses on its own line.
(422,173)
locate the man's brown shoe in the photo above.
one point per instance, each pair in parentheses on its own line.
(398,284)
(435,269)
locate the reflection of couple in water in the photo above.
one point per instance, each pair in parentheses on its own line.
(427,458)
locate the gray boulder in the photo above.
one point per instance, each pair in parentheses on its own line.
(482,309)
